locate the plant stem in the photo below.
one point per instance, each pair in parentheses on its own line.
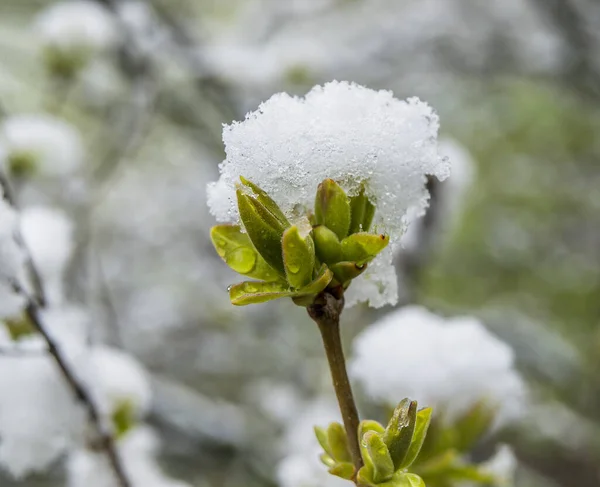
(326,313)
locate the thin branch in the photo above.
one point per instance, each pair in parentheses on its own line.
(105,437)
(326,313)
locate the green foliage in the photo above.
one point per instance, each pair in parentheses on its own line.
(19,327)
(123,418)
(288,261)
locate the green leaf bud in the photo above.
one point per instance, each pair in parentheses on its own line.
(338,443)
(298,257)
(327,245)
(344,272)
(380,461)
(399,431)
(264,229)
(253,292)
(266,200)
(332,208)
(236,249)
(418,438)
(363,247)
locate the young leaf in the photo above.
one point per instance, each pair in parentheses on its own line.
(267,201)
(399,432)
(418,438)
(472,425)
(410,480)
(319,283)
(327,245)
(253,292)
(298,257)
(344,272)
(344,470)
(363,247)
(332,208)
(338,443)
(236,249)
(362,211)
(263,228)
(379,455)
(321,434)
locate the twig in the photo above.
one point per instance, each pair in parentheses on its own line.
(326,313)
(105,437)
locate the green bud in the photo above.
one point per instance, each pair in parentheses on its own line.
(327,460)
(21,164)
(254,292)
(298,257)
(266,200)
(363,247)
(236,249)
(410,480)
(418,438)
(338,443)
(264,229)
(362,211)
(344,272)
(399,432)
(321,434)
(327,245)
(305,296)
(369,425)
(379,459)
(344,470)
(332,208)
(123,418)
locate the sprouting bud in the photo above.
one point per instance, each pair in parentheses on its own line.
(344,272)
(363,247)
(362,211)
(332,208)
(337,458)
(327,245)
(298,257)
(377,457)
(263,227)
(399,432)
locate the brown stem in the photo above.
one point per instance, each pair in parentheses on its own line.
(326,313)
(106,439)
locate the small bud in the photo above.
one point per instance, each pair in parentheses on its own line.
(363,247)
(327,245)
(338,442)
(418,438)
(236,249)
(298,257)
(399,432)
(264,229)
(379,459)
(410,480)
(362,213)
(344,272)
(123,418)
(343,470)
(21,164)
(332,208)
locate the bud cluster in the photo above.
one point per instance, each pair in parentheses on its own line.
(386,452)
(298,261)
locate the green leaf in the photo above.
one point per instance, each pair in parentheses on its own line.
(380,461)
(298,257)
(473,425)
(267,201)
(327,245)
(321,434)
(410,480)
(369,425)
(344,470)
(332,208)
(123,418)
(236,249)
(399,432)
(418,437)
(318,284)
(363,247)
(254,292)
(327,460)
(362,211)
(344,272)
(338,443)
(264,229)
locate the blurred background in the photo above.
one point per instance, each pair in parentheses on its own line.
(513,238)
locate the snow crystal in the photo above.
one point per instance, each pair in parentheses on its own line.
(48,235)
(450,364)
(342,131)
(137,450)
(55,145)
(77,25)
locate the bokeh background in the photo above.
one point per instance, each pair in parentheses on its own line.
(513,240)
